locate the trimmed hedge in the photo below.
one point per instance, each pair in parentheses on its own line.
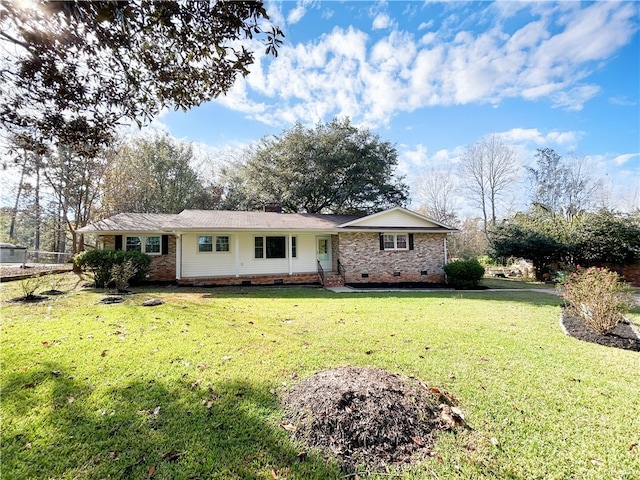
(464,273)
(100,263)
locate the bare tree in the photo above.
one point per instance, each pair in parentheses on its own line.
(489,168)
(436,192)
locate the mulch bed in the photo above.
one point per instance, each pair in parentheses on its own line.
(366,417)
(623,335)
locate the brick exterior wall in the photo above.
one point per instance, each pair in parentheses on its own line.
(360,254)
(163,267)
(631,274)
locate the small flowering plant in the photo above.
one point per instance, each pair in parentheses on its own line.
(598,297)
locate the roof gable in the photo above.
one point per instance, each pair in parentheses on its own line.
(397,217)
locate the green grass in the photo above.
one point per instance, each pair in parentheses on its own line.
(511,283)
(189,389)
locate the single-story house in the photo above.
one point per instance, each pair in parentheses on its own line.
(215,247)
(10,253)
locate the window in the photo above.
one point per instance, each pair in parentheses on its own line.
(276,247)
(134,244)
(294,247)
(392,241)
(152,245)
(270,247)
(205,243)
(259,247)
(222,244)
(389,242)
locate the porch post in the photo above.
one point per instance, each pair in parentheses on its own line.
(290,249)
(237,235)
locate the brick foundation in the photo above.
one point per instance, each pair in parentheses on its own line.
(364,262)
(282,279)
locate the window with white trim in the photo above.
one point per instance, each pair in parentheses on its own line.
(270,247)
(205,243)
(152,245)
(395,241)
(133,244)
(222,243)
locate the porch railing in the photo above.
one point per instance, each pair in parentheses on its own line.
(341,271)
(321,273)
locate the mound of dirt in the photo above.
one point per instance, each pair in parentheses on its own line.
(369,417)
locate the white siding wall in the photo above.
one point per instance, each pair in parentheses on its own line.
(207,264)
(211,264)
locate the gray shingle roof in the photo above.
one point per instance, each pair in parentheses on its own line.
(217,219)
(130,222)
(194,219)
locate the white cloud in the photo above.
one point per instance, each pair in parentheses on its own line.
(348,72)
(381,21)
(622,159)
(538,138)
(297,13)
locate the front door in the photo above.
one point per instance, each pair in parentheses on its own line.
(323,252)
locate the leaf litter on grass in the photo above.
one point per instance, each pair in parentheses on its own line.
(369,417)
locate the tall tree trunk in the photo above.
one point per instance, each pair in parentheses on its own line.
(38,213)
(14,212)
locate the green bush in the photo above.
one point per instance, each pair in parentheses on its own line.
(464,273)
(598,297)
(100,264)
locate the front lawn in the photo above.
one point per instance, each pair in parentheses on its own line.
(189,389)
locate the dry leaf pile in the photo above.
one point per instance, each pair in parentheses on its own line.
(369,417)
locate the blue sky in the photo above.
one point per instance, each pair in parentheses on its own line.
(434,77)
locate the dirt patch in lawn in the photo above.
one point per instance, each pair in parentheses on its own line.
(370,418)
(623,336)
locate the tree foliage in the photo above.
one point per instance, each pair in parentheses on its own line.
(332,168)
(590,239)
(155,175)
(523,241)
(72,71)
(561,187)
(76,184)
(606,238)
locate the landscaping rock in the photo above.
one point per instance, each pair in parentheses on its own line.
(112,299)
(152,302)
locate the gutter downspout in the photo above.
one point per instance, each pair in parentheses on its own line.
(445,249)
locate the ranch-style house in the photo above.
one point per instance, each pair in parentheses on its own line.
(215,247)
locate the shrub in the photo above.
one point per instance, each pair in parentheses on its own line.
(464,273)
(101,262)
(122,273)
(29,286)
(598,297)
